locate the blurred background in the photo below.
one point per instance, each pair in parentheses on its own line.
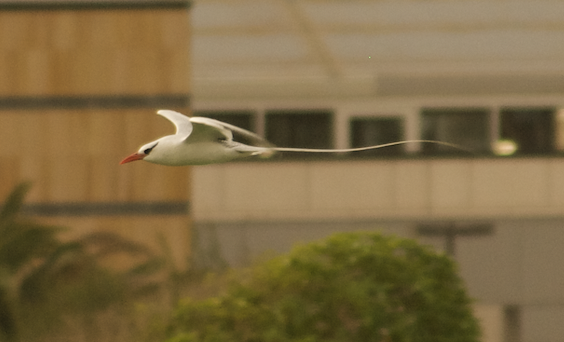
(80,82)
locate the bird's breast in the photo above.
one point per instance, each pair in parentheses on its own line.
(194,154)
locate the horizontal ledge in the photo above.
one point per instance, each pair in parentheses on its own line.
(107,208)
(75,5)
(454,229)
(95,101)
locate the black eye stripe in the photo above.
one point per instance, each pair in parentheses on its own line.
(147,151)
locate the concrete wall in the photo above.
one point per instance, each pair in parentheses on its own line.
(431,189)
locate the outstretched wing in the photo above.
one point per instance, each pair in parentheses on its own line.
(206,129)
(197,129)
(246,136)
(182,122)
(225,131)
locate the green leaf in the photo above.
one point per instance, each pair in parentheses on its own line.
(13,204)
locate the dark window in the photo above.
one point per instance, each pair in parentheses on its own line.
(300,128)
(467,127)
(370,131)
(532,129)
(240,118)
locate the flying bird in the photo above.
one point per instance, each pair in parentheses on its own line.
(201,141)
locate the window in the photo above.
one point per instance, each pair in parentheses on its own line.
(370,131)
(467,127)
(300,128)
(531,129)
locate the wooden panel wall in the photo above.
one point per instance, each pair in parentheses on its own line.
(70,78)
(74,155)
(93,51)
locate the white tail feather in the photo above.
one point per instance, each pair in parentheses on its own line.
(314,150)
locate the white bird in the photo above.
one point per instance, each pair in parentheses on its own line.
(201,141)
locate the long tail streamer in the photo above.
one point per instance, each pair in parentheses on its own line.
(315,150)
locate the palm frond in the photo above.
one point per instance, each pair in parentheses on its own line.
(12,207)
(107,243)
(36,284)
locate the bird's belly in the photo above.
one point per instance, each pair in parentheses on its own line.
(199,154)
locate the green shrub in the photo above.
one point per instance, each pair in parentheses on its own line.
(350,287)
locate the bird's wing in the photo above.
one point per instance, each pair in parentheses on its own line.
(182,122)
(206,129)
(239,133)
(264,152)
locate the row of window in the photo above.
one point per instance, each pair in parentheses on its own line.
(532,130)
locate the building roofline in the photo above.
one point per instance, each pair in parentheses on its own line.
(77,5)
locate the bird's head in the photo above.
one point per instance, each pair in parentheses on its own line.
(143,152)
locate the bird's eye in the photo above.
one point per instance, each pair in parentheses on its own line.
(147,151)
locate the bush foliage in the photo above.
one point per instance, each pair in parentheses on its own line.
(350,287)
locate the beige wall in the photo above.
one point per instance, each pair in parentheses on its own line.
(93,51)
(472,188)
(79,87)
